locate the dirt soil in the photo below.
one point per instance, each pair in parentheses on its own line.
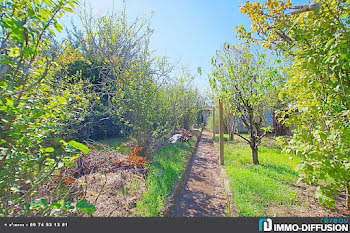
(308,206)
(113,194)
(202,193)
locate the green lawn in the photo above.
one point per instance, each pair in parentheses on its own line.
(258,188)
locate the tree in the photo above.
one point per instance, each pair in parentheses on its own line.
(154,109)
(101,53)
(240,79)
(32,109)
(134,86)
(316,38)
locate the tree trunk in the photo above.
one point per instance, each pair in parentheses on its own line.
(230,135)
(186,122)
(254,151)
(347,195)
(254,148)
(253,142)
(278,127)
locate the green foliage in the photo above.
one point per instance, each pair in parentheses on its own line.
(167,165)
(255,188)
(79,146)
(86,207)
(33,108)
(136,91)
(141,107)
(38,204)
(153,111)
(243,80)
(318,89)
(77,68)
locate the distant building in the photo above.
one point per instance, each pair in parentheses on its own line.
(268,118)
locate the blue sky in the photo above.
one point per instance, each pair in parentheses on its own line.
(189,31)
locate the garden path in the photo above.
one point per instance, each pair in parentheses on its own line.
(202,194)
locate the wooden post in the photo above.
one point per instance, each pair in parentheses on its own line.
(213,123)
(221,132)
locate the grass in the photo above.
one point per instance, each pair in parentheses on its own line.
(259,190)
(167,166)
(165,169)
(115,143)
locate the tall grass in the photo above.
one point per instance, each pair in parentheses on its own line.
(167,166)
(257,189)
